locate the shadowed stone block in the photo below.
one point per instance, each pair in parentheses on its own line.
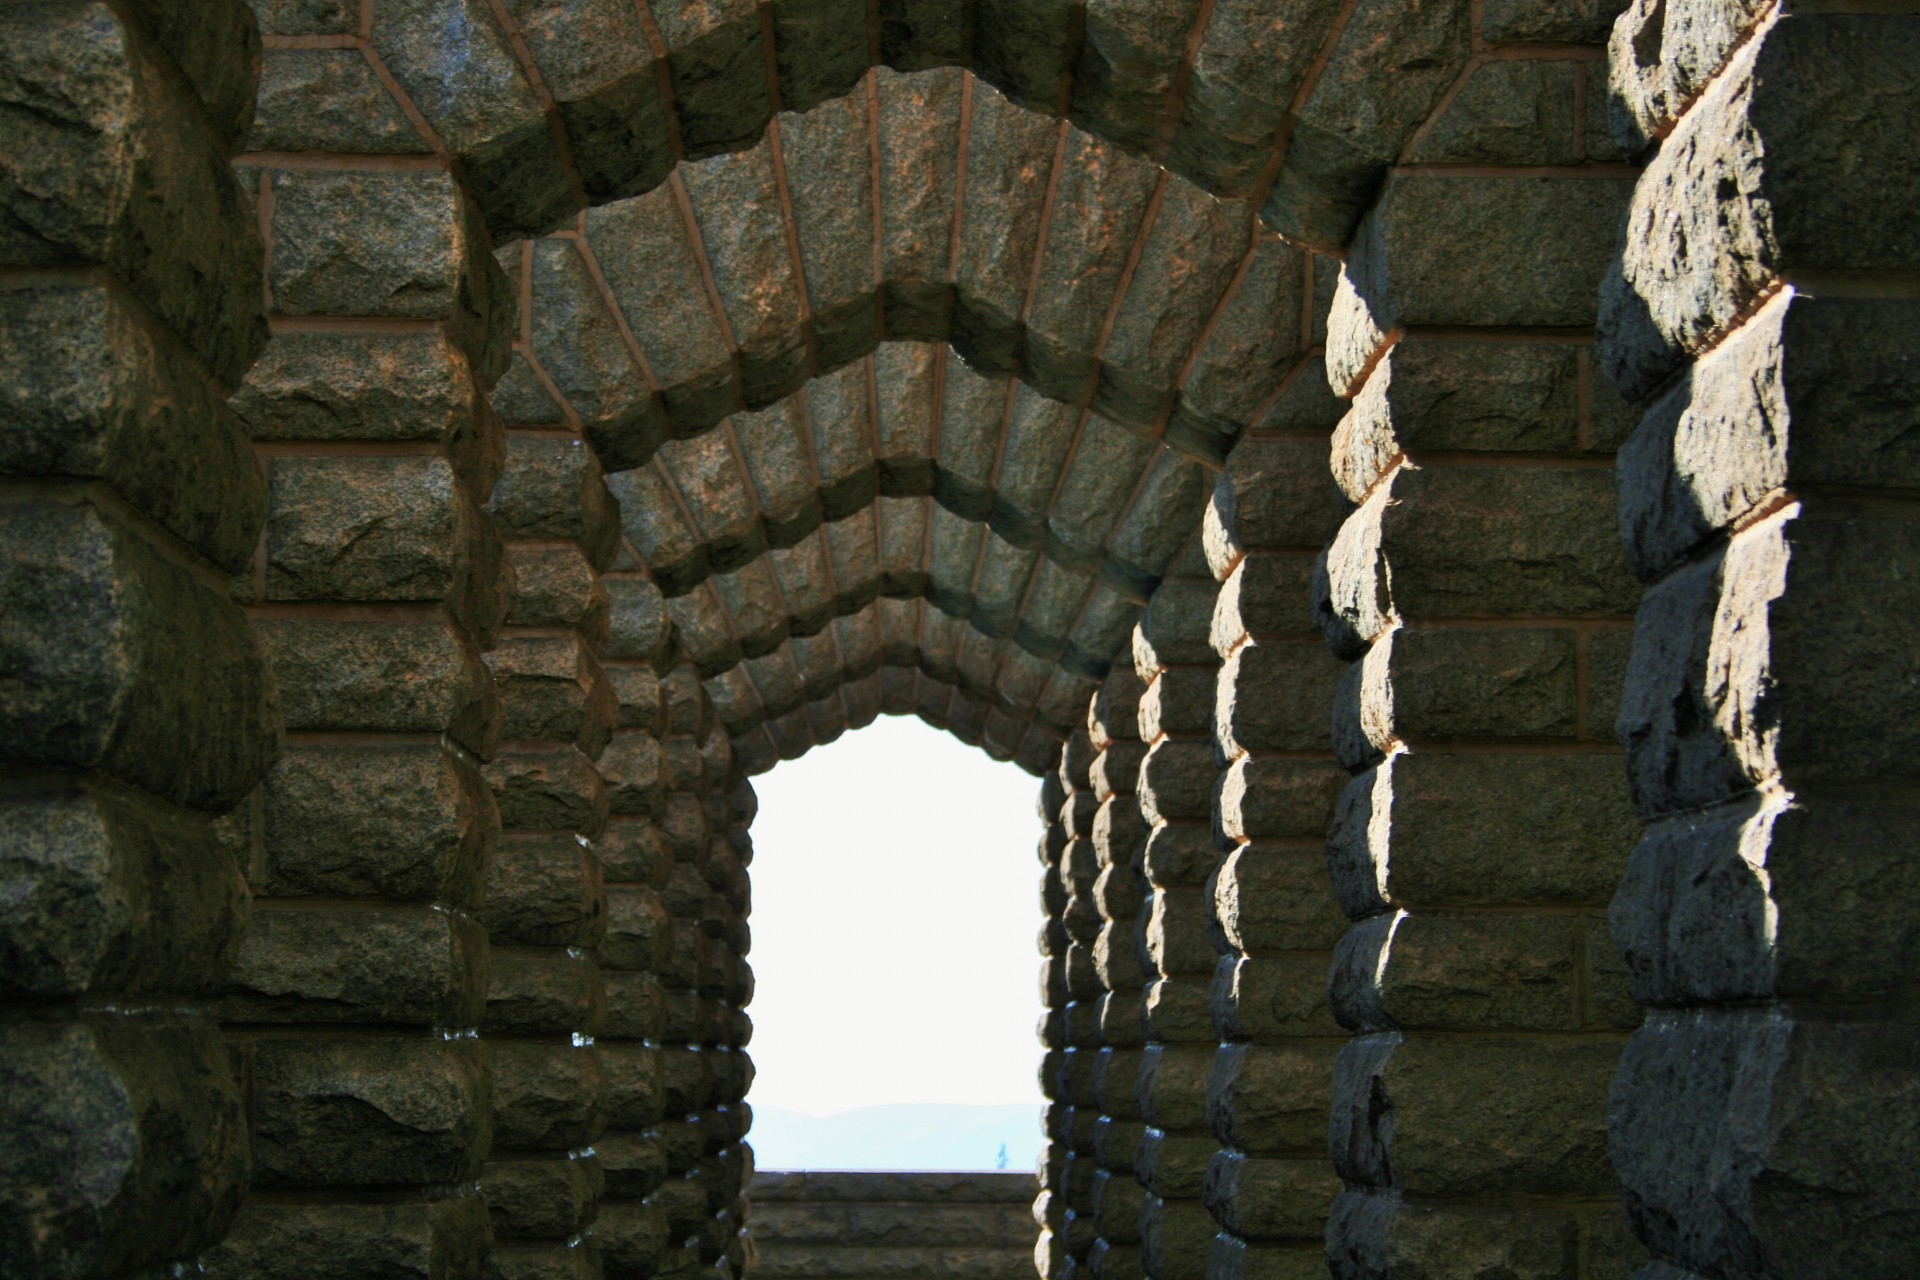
(93,393)
(75,1205)
(368,1112)
(122,660)
(107,891)
(111,161)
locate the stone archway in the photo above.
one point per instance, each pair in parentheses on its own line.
(377,817)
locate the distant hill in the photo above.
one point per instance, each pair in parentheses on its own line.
(926,1136)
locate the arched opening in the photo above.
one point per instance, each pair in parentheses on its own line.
(894,920)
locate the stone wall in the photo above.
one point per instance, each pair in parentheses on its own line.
(1428,494)
(893,1226)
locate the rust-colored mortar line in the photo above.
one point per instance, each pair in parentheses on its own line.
(401,97)
(1182,78)
(790,227)
(1149,218)
(351,324)
(665,473)
(959,191)
(1165,414)
(591,261)
(663,77)
(1000,442)
(1541,51)
(545,379)
(348,611)
(549,108)
(1047,203)
(684,204)
(341,41)
(803,414)
(1583,398)
(1566,172)
(99,494)
(1309,80)
(523,290)
(876,188)
(263,211)
(874,44)
(366,19)
(873,417)
(1580,111)
(1447,96)
(349,448)
(1761,20)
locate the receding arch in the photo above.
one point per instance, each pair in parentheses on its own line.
(549,110)
(945,214)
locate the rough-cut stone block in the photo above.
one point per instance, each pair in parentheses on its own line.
(1660,56)
(94,394)
(1272,1099)
(1257,1198)
(551,689)
(1371,1234)
(400,677)
(1456,684)
(546,1097)
(1270,899)
(1388,67)
(555,586)
(548,789)
(1426,235)
(1275,697)
(1461,1118)
(418,966)
(544,891)
(552,488)
(389,244)
(368,1112)
(109,160)
(399,529)
(1506,112)
(541,1198)
(120,659)
(1793,160)
(162,1187)
(328,100)
(1271,997)
(1749,1139)
(1798,899)
(1810,391)
(408,822)
(1427,970)
(104,892)
(1268,798)
(1445,394)
(550,993)
(1739,672)
(419,1240)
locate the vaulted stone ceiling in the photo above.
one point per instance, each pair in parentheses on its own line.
(892,366)
(560,104)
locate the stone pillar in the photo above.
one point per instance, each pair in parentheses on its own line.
(689,1079)
(1178,666)
(545,902)
(1273,915)
(1050,1206)
(1119,842)
(136,706)
(380,581)
(1765,314)
(1071,1124)
(1480,593)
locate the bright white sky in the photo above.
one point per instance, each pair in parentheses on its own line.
(895,913)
